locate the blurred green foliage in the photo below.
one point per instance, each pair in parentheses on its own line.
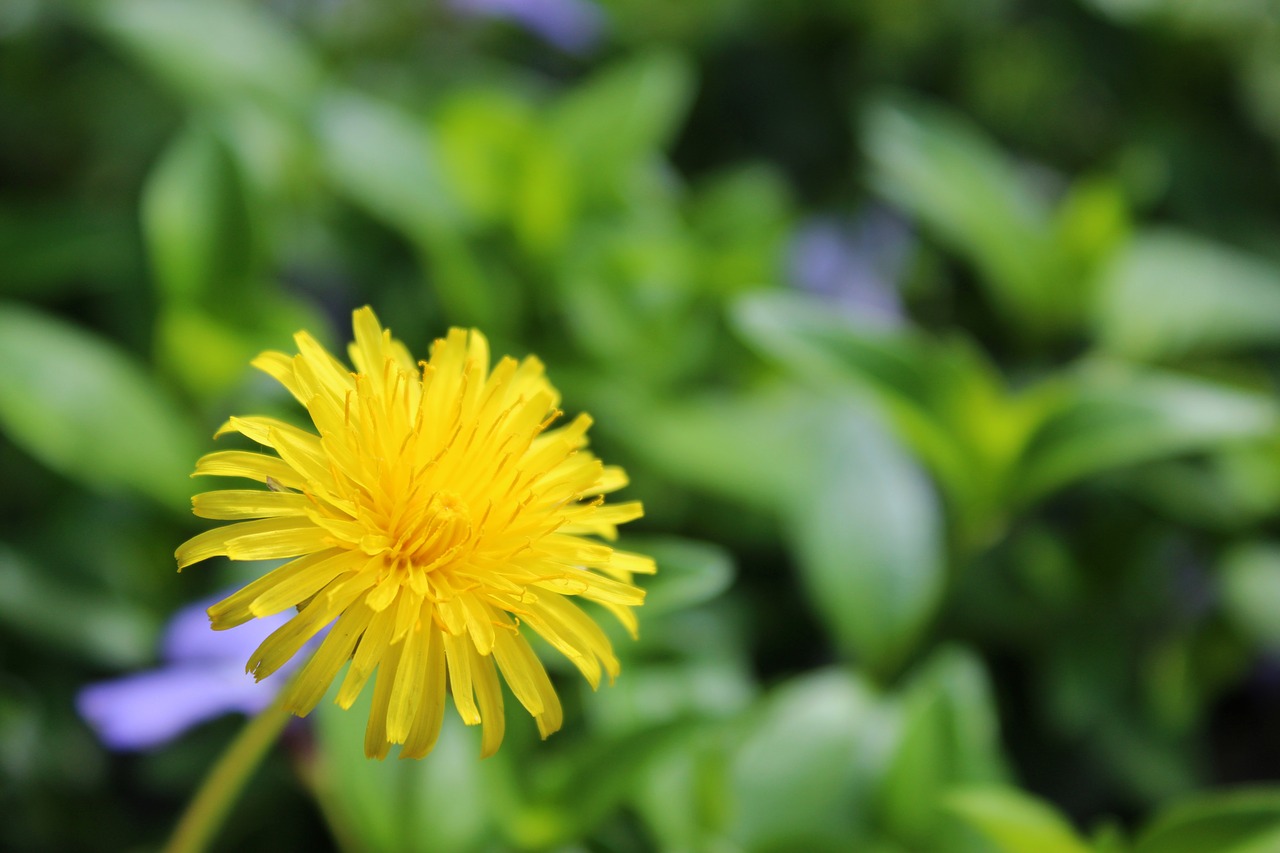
(993,570)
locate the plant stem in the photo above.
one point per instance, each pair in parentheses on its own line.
(207,810)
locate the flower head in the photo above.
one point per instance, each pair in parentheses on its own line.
(435,513)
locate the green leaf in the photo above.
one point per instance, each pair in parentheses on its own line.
(622,116)
(950,737)
(1249,576)
(87,410)
(1016,822)
(1171,293)
(90,625)
(689,572)
(213,51)
(1242,821)
(868,533)
(196,220)
(960,186)
(384,160)
(1112,416)
(443,803)
(805,773)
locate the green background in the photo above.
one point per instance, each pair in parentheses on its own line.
(968,544)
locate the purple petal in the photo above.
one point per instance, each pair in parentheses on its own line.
(854,267)
(188,636)
(574,26)
(150,709)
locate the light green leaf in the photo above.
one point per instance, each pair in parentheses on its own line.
(1015,822)
(962,188)
(1250,581)
(623,115)
(1243,821)
(195,219)
(869,536)
(950,737)
(385,161)
(689,572)
(1170,293)
(87,410)
(805,773)
(213,51)
(1113,416)
(443,803)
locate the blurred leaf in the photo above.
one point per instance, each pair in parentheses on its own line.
(483,136)
(1249,576)
(1242,821)
(614,121)
(215,51)
(385,161)
(196,220)
(86,409)
(870,540)
(689,572)
(743,219)
(805,774)
(950,737)
(1112,416)
(945,400)
(442,803)
(90,625)
(54,248)
(1016,822)
(959,185)
(1172,293)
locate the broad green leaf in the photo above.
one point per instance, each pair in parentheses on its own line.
(962,188)
(1249,577)
(1112,416)
(384,160)
(213,51)
(196,220)
(689,572)
(743,219)
(443,803)
(1171,293)
(1242,821)
(1016,822)
(86,409)
(620,117)
(805,773)
(950,737)
(91,626)
(869,536)
(483,135)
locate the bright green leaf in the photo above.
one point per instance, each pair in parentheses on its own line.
(213,51)
(1250,581)
(86,409)
(1016,822)
(1112,416)
(195,219)
(1243,821)
(805,774)
(1171,293)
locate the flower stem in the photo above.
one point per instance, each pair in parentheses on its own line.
(207,810)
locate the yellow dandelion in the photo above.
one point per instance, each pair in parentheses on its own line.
(436,511)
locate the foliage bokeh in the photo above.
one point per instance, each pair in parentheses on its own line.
(938,339)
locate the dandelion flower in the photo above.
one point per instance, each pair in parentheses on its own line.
(435,513)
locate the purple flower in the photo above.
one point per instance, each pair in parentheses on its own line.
(203,677)
(855,267)
(574,26)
